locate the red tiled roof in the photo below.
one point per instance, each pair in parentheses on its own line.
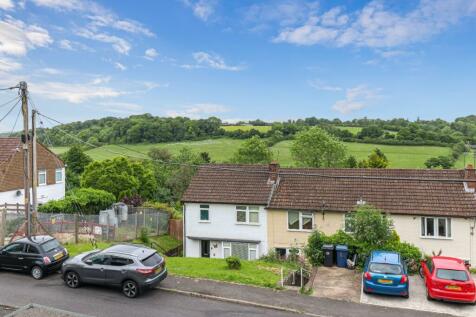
(8,147)
(302,189)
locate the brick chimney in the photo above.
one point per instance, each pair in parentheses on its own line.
(273,169)
(470,173)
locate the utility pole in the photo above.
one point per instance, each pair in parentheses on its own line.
(34,172)
(26,155)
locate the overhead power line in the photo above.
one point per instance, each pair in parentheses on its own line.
(248,171)
(9,111)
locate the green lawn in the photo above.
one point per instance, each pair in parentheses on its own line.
(257,273)
(75,249)
(260,128)
(222,150)
(353,130)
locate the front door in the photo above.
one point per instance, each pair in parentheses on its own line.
(205,248)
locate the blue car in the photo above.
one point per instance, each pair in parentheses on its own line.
(386,273)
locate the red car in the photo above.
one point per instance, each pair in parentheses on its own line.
(448,279)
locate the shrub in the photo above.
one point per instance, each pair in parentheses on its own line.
(270,257)
(144,235)
(371,226)
(313,249)
(173,212)
(81,200)
(233,262)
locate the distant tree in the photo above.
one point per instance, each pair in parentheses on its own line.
(160,154)
(442,161)
(315,147)
(376,159)
(76,161)
(253,151)
(371,131)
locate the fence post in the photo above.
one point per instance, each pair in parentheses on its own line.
(107,226)
(136,223)
(282,277)
(3,226)
(302,280)
(76,229)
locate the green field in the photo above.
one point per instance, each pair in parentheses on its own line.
(353,130)
(222,150)
(260,128)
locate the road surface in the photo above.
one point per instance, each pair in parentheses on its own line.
(19,289)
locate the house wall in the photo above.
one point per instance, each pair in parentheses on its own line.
(279,236)
(222,227)
(462,244)
(45,194)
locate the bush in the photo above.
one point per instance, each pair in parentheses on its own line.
(233,262)
(173,212)
(81,200)
(144,235)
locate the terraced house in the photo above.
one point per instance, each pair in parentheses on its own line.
(51,173)
(248,210)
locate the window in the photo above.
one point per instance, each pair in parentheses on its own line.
(226,249)
(348,223)
(99,259)
(253,252)
(31,249)
(204,213)
(118,261)
(436,227)
(300,220)
(14,248)
(59,175)
(247,214)
(41,177)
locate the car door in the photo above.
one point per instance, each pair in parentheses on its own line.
(427,272)
(116,269)
(12,256)
(94,270)
(32,256)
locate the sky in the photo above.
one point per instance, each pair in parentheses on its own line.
(241,60)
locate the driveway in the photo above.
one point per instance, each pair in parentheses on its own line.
(338,283)
(418,301)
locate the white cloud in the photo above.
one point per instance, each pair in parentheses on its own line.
(199,110)
(209,60)
(319,85)
(74,92)
(6,5)
(8,65)
(17,38)
(356,98)
(121,107)
(202,9)
(120,66)
(110,20)
(150,54)
(74,46)
(120,45)
(376,26)
(50,71)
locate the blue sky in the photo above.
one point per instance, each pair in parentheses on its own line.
(240,60)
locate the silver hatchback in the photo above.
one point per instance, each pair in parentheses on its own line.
(129,266)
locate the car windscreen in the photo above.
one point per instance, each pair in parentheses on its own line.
(452,275)
(152,260)
(50,245)
(385,268)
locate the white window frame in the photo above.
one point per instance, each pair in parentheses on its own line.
(251,247)
(40,172)
(301,220)
(448,225)
(226,245)
(344,228)
(247,210)
(62,176)
(200,213)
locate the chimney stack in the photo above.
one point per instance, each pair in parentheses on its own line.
(273,169)
(470,173)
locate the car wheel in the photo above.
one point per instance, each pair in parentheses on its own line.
(37,272)
(130,289)
(72,279)
(428,295)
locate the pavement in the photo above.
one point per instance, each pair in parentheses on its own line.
(338,283)
(183,297)
(418,301)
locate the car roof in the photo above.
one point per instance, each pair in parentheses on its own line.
(35,239)
(385,257)
(135,250)
(446,262)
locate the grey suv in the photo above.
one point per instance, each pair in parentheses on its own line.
(129,266)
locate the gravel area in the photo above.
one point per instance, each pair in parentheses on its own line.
(34,310)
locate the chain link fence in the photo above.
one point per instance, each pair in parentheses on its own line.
(107,226)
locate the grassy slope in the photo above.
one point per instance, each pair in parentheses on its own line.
(222,149)
(257,273)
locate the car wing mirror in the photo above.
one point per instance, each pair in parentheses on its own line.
(89,262)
